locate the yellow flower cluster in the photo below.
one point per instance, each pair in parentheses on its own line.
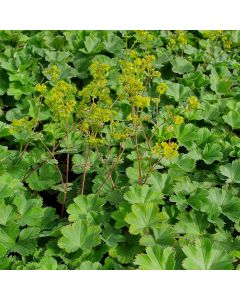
(181,38)
(193,102)
(162,88)
(18,125)
(134,75)
(94,141)
(178,120)
(94,116)
(131,85)
(141,101)
(97,88)
(227,44)
(170,149)
(133,118)
(120,136)
(172,44)
(119,131)
(144,65)
(41,88)
(99,70)
(143,36)
(61,100)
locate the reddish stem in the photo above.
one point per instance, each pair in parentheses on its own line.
(67,170)
(84,172)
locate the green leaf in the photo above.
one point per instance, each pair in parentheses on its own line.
(222,201)
(143,217)
(211,153)
(112,236)
(163,236)
(8,186)
(178,91)
(113,43)
(44,178)
(47,263)
(231,171)
(193,224)
(8,236)
(184,163)
(185,134)
(161,182)
(181,65)
(218,84)
(92,44)
(232,119)
(127,250)
(85,207)
(88,265)
(79,235)
(206,255)
(3,82)
(79,162)
(156,258)
(26,243)
(30,211)
(143,194)
(120,214)
(6,214)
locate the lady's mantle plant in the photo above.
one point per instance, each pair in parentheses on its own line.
(119,150)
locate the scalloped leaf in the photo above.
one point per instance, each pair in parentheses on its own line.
(156,258)
(44,178)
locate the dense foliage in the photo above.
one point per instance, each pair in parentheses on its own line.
(119,150)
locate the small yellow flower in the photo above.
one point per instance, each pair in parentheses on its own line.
(178,120)
(41,88)
(170,149)
(193,102)
(162,88)
(181,38)
(133,54)
(141,101)
(170,128)
(94,141)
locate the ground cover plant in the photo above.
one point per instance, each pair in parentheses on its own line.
(119,150)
